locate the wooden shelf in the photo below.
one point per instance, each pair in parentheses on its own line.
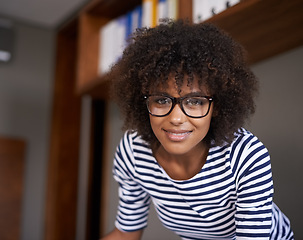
(264,27)
(110,8)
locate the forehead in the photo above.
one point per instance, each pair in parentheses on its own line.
(181,87)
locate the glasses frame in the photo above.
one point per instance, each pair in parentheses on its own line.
(179,102)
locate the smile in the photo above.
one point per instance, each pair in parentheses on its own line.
(177,136)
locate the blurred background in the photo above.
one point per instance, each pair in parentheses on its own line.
(61,130)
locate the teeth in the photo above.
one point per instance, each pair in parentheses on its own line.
(179,134)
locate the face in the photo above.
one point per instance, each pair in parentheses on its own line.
(178,133)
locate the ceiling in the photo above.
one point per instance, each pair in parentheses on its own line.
(45,13)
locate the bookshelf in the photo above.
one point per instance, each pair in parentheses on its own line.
(91,19)
(264,27)
(93,16)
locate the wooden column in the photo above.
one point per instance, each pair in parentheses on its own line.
(61,200)
(12,156)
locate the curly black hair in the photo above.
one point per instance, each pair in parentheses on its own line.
(188,52)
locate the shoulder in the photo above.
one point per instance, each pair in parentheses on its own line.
(243,141)
(132,141)
(247,151)
(130,150)
(130,145)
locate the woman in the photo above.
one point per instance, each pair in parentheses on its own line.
(185,92)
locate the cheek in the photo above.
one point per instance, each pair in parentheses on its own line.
(206,120)
(152,122)
(155,122)
(202,126)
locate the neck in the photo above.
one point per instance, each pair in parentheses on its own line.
(185,166)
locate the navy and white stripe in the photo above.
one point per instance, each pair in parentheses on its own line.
(230,198)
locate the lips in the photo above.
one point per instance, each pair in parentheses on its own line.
(177,135)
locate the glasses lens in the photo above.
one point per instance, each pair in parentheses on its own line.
(196,106)
(159,105)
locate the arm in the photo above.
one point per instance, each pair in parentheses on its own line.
(118,235)
(134,201)
(254,194)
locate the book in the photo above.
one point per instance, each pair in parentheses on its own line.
(172,9)
(162,10)
(135,21)
(217,6)
(205,9)
(106,54)
(119,37)
(230,3)
(201,10)
(149,8)
(112,43)
(114,38)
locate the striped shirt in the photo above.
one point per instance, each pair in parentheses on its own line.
(230,198)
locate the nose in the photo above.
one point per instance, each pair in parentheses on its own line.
(177,116)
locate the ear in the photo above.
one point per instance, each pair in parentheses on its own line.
(215,112)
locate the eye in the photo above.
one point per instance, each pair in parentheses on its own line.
(194,102)
(161,101)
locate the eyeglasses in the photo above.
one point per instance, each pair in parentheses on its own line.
(192,106)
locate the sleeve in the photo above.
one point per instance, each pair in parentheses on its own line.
(254,184)
(133,200)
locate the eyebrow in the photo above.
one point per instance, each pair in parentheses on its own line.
(191,94)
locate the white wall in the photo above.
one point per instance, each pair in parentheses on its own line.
(277,122)
(25,112)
